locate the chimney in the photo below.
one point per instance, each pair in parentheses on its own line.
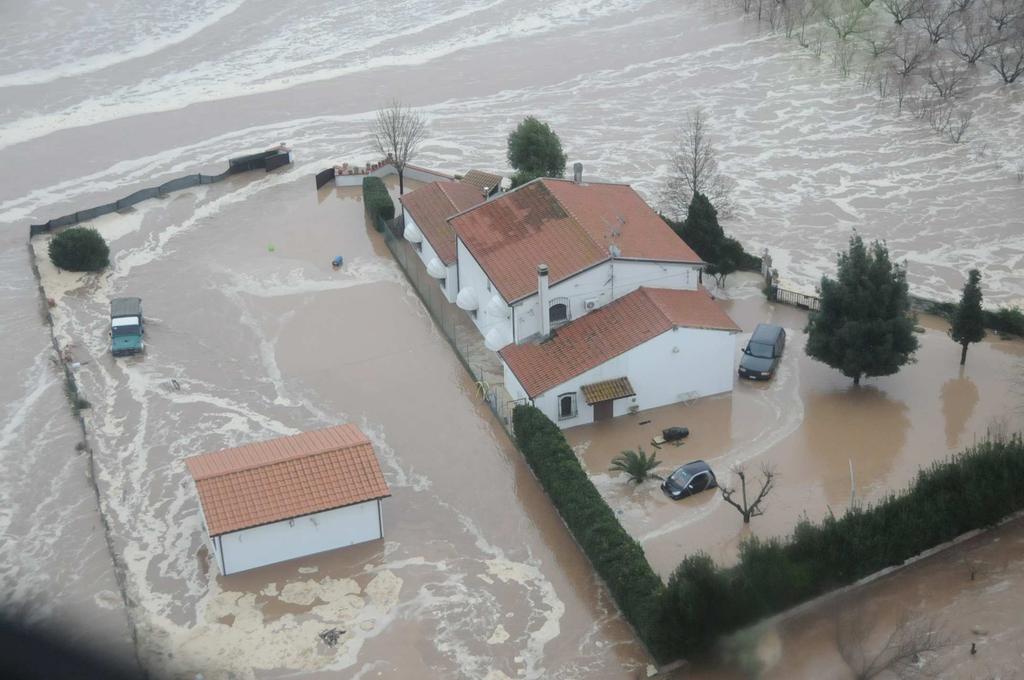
(577,172)
(542,301)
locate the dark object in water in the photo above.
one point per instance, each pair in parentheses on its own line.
(337,261)
(673,434)
(645,422)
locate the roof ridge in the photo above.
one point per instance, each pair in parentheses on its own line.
(575,219)
(284,461)
(293,456)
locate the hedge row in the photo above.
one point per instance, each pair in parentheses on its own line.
(1006,320)
(616,557)
(975,489)
(377,200)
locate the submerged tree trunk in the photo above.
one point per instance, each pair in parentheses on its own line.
(963,354)
(401,181)
(856,379)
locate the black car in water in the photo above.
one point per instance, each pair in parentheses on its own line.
(689,479)
(762,354)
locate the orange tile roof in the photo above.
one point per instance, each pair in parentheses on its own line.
(605,333)
(606,390)
(568,227)
(288,477)
(482,180)
(432,204)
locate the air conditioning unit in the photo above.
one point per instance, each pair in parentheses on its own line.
(590,304)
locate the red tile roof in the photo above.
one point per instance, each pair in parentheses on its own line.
(486,182)
(432,204)
(568,227)
(605,333)
(289,477)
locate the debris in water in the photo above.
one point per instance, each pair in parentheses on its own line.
(645,422)
(331,636)
(337,261)
(270,248)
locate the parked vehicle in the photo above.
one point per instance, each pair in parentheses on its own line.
(126,326)
(762,354)
(689,479)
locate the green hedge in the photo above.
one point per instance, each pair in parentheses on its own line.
(974,489)
(377,200)
(616,557)
(79,249)
(1006,320)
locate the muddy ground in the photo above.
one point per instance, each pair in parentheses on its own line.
(809,424)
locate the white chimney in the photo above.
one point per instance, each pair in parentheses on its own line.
(577,173)
(542,301)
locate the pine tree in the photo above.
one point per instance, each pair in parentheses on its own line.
(968,324)
(864,326)
(701,229)
(534,150)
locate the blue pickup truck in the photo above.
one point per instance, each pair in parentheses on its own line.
(126,326)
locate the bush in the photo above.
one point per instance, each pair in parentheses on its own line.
(377,201)
(79,249)
(616,557)
(973,490)
(1005,320)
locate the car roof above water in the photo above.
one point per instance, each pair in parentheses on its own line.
(126,306)
(766,333)
(694,467)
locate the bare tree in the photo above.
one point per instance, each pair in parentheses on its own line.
(1002,13)
(956,128)
(845,17)
(398,133)
(901,10)
(962,5)
(1007,58)
(939,18)
(947,79)
(974,39)
(900,654)
(908,54)
(694,168)
(750,508)
(880,44)
(1019,170)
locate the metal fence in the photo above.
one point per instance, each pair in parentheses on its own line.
(791,297)
(456,326)
(268,160)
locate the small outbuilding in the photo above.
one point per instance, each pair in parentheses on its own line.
(284,498)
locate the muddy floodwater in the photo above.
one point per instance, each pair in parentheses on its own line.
(812,426)
(252,335)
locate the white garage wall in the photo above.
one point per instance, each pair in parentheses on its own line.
(427,253)
(472,276)
(660,374)
(288,539)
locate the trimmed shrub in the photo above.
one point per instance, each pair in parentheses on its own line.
(377,201)
(616,557)
(1005,320)
(79,249)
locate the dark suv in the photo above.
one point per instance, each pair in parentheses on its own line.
(762,354)
(689,479)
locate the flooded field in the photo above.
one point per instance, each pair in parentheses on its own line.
(260,337)
(477,575)
(811,425)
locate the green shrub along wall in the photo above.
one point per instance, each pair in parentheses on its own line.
(377,200)
(974,489)
(616,557)
(79,249)
(1007,320)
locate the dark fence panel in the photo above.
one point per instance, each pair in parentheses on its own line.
(324,176)
(270,160)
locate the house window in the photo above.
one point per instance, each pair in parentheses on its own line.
(566,406)
(558,313)
(488,285)
(442,282)
(419,247)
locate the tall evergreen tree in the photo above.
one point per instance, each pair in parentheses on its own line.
(864,326)
(534,150)
(968,324)
(701,229)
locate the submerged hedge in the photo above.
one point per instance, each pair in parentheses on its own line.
(1006,320)
(972,490)
(377,200)
(616,557)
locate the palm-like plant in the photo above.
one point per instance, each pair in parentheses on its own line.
(637,465)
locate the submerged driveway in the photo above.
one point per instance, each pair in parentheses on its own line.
(251,335)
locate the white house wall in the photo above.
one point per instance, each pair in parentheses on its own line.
(471,275)
(288,539)
(426,253)
(631,274)
(703,365)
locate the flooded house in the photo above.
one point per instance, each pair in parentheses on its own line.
(594,304)
(276,500)
(427,210)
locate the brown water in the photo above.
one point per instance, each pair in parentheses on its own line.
(810,424)
(268,340)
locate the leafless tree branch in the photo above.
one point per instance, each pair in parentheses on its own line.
(694,168)
(398,133)
(903,652)
(754,508)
